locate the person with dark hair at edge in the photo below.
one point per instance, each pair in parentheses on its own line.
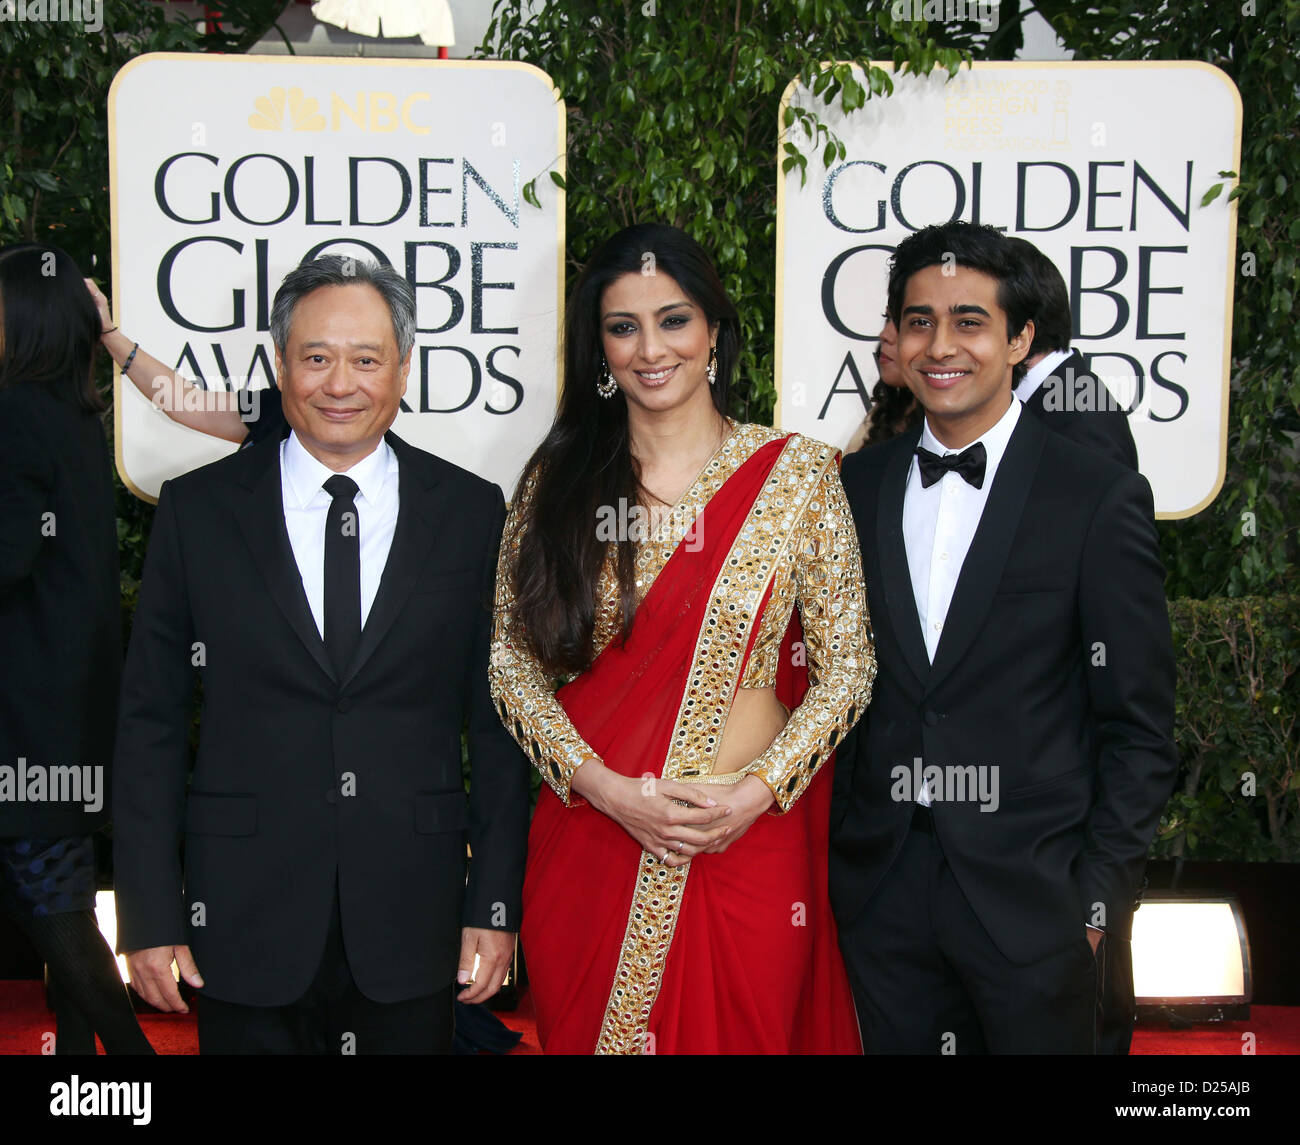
(1058,385)
(893,410)
(61,631)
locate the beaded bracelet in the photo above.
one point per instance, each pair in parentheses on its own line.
(130,358)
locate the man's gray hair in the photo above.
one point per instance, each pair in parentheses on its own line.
(344,270)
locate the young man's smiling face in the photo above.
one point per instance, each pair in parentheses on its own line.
(954,352)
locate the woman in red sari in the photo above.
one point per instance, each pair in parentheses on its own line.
(675,898)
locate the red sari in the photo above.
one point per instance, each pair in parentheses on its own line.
(733,952)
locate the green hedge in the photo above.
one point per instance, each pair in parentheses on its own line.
(1237,729)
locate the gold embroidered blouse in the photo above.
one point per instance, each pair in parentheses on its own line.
(819,569)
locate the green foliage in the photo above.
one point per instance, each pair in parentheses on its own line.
(1238,714)
(1246,541)
(54,152)
(54,165)
(672,117)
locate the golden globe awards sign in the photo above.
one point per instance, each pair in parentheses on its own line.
(1103,166)
(227,171)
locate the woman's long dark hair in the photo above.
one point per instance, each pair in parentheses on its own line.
(586,461)
(893,411)
(51,327)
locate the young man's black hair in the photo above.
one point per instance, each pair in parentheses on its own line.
(1052,328)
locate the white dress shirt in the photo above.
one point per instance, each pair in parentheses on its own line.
(939,524)
(306,504)
(1039,372)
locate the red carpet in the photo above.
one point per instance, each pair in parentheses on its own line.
(24,1024)
(1276,1030)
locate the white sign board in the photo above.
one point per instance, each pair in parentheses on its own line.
(228,170)
(1103,167)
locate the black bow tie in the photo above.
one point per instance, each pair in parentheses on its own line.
(969,463)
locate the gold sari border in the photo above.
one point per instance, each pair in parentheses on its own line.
(716,668)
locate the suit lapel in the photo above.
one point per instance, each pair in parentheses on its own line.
(981,572)
(412,540)
(262,525)
(891,550)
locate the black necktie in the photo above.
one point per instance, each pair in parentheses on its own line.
(969,463)
(342,573)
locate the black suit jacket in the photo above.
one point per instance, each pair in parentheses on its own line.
(1105,430)
(1055,667)
(301,777)
(60,604)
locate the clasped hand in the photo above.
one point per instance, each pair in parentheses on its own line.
(652,812)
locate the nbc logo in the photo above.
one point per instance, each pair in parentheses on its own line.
(373,111)
(304,112)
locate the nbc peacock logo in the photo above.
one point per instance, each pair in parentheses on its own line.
(304,112)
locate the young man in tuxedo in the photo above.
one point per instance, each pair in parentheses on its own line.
(333,588)
(1057,384)
(994,807)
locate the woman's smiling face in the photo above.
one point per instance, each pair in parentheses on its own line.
(656,340)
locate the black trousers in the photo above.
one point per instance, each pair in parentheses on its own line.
(927,979)
(332,1017)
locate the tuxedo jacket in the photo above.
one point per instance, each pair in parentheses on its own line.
(303,777)
(1055,669)
(1105,430)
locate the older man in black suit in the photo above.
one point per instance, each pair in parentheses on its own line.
(333,589)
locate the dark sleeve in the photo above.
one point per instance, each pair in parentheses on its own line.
(846,759)
(846,755)
(1104,431)
(26,482)
(1128,650)
(499,775)
(151,762)
(269,422)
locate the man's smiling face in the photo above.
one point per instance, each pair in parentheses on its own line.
(340,376)
(954,352)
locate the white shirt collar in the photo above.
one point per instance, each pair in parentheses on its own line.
(995,439)
(1038,373)
(305,476)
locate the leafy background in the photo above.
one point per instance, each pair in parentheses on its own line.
(672,116)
